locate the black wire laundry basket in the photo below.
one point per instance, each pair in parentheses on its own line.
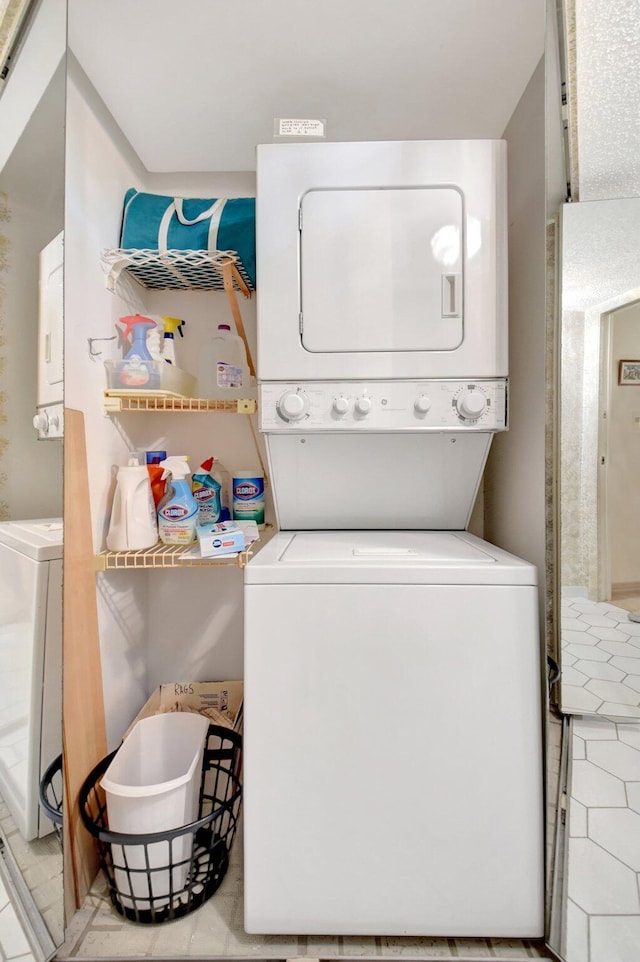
(51,794)
(163,876)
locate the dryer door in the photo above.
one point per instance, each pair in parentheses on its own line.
(381,269)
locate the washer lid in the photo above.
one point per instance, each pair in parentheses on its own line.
(40,539)
(391,557)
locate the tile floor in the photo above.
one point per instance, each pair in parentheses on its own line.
(603,849)
(40,865)
(14,944)
(600,659)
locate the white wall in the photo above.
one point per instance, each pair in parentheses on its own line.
(623,485)
(99,168)
(38,60)
(159,625)
(515,475)
(31,183)
(608,95)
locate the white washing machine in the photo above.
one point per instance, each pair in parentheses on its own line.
(393,738)
(393,773)
(31,665)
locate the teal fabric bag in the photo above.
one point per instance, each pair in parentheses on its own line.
(155,222)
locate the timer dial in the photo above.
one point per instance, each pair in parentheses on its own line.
(341,405)
(293,405)
(363,404)
(422,404)
(471,404)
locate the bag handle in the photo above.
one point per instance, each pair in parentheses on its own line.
(214,213)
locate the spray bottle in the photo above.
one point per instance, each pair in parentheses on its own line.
(171,325)
(137,369)
(155,338)
(133,524)
(178,510)
(155,472)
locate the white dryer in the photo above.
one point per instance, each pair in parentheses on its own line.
(382,260)
(31,660)
(393,770)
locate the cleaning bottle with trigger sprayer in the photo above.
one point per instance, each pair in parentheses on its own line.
(171,325)
(137,369)
(178,510)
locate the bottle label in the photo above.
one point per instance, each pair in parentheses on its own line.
(208,499)
(248,499)
(228,376)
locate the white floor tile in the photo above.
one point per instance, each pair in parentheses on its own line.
(609,634)
(618,831)
(12,938)
(596,620)
(576,934)
(578,748)
(616,710)
(633,796)
(613,691)
(574,624)
(578,638)
(630,735)
(595,729)
(599,669)
(620,760)
(578,819)
(571,676)
(615,939)
(576,699)
(589,652)
(616,647)
(598,883)
(591,786)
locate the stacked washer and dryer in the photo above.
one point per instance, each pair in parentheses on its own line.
(393,734)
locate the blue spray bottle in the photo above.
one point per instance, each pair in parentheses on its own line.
(178,510)
(137,370)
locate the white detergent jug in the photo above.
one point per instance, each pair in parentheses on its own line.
(223,372)
(133,522)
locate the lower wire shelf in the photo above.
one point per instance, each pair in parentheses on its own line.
(165,556)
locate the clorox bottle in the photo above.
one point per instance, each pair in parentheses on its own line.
(178,510)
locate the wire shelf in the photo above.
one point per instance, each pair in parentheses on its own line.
(175,270)
(165,556)
(116,402)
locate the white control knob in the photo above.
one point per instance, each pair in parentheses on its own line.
(422,404)
(363,404)
(341,405)
(471,404)
(293,405)
(41,422)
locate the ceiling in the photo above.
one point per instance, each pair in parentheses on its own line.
(196,85)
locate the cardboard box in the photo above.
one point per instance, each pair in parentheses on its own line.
(220,701)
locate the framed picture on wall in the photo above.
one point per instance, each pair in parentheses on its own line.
(629,372)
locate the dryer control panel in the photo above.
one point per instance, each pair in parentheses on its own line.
(384,405)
